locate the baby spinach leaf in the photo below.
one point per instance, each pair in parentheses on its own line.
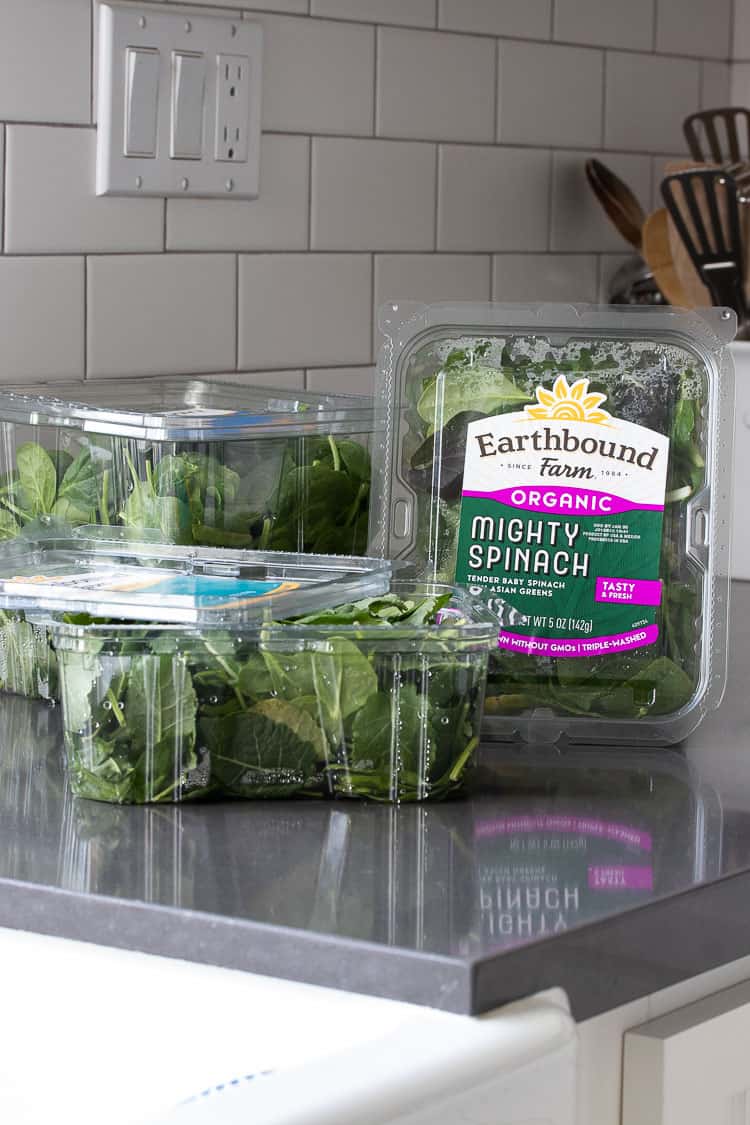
(9,526)
(37,479)
(270,750)
(161,702)
(487,390)
(79,483)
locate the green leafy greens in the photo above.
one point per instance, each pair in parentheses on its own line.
(301,494)
(347,713)
(485,377)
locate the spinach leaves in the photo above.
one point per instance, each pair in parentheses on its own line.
(486,377)
(69,489)
(297,494)
(348,713)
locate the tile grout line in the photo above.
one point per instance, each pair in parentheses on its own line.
(373,349)
(436,216)
(4,181)
(85,317)
(496,107)
(237,312)
(375,82)
(466,251)
(550,200)
(310,146)
(603,134)
(472,34)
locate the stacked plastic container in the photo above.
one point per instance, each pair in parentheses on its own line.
(186,461)
(552,484)
(190,665)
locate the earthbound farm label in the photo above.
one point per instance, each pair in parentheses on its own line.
(561,521)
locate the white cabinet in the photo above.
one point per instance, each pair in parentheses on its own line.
(692,1066)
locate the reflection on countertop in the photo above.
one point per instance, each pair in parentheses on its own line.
(549,841)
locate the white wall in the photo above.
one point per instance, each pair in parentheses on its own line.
(430,149)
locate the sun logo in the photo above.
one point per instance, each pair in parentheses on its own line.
(566,403)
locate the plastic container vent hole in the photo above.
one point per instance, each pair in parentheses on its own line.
(401,519)
(700,528)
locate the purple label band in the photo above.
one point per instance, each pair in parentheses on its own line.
(619,878)
(572,646)
(628,591)
(560,823)
(561,501)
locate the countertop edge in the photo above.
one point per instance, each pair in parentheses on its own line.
(602,965)
(404,975)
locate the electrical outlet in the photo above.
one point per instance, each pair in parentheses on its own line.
(179,101)
(232,107)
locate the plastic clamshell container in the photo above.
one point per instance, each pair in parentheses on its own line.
(201,462)
(189,461)
(390,712)
(104,572)
(147,581)
(571,466)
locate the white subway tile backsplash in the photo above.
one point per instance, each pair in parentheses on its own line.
(372,195)
(276,220)
(342,380)
(544,277)
(318,76)
(161,314)
(647,97)
(414,13)
(740,89)
(716,80)
(45,60)
(741,30)
(379,150)
(51,205)
(297,309)
(293,7)
(434,86)
(524,18)
(578,221)
(293,379)
(606,23)
(429,278)
(493,198)
(2,183)
(527,114)
(41,319)
(694,27)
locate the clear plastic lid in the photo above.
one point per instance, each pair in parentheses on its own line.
(173,409)
(571,466)
(86,572)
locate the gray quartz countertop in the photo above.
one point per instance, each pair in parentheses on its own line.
(611,873)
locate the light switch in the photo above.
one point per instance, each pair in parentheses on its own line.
(141,100)
(188,96)
(178,100)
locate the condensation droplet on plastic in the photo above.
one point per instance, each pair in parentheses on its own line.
(107,705)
